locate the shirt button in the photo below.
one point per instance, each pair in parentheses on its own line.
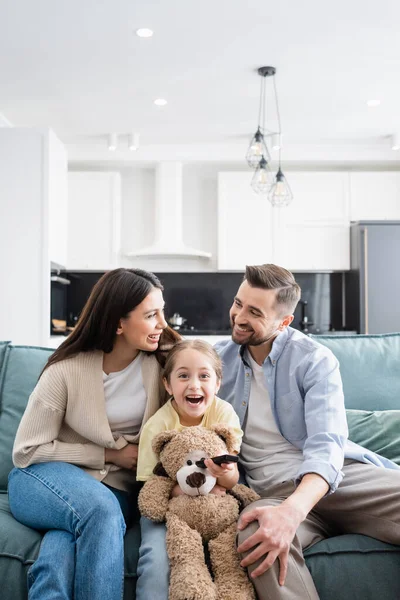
(103,471)
(247,374)
(244,403)
(273,362)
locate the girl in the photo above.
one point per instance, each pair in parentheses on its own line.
(76,449)
(192,376)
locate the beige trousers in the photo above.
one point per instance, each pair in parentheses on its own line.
(367,502)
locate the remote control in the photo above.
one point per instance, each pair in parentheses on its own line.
(219,460)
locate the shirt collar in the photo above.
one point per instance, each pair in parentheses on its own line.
(277,347)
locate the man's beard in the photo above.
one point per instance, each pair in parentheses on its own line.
(253,339)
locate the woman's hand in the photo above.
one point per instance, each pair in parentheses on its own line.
(126,458)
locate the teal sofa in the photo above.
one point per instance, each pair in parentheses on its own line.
(348,567)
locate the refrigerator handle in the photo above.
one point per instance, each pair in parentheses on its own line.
(365,244)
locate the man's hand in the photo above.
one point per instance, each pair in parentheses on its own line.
(126,458)
(277,528)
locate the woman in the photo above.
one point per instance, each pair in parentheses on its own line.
(76,449)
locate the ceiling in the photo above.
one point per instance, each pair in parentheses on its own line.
(77,66)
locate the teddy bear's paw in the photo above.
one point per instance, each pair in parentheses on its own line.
(243,590)
(192,582)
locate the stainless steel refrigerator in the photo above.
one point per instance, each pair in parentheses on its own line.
(372,289)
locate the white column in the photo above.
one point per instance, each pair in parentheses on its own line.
(25,196)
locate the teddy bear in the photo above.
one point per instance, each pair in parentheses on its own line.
(201,527)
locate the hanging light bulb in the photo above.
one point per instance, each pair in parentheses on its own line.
(257,150)
(258,157)
(262,178)
(280,193)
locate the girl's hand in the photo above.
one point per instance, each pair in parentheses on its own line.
(227,474)
(218,490)
(219,470)
(176,491)
(126,458)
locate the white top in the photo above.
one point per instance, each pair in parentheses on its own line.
(125,398)
(267,456)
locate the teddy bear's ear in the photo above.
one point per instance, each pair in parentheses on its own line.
(226,433)
(161,439)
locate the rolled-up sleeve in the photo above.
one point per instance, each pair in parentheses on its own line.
(325,417)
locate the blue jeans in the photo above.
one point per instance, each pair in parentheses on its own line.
(153,565)
(82,553)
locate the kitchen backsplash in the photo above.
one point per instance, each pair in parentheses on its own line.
(204,299)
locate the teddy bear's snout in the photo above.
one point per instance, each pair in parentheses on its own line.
(196,480)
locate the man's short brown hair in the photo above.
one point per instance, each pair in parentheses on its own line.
(272,277)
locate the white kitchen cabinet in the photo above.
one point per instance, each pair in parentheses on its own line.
(318,197)
(313,247)
(244,223)
(375,196)
(94,221)
(311,234)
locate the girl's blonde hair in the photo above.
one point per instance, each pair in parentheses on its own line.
(199,345)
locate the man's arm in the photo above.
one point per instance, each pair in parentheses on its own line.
(319,474)
(278,525)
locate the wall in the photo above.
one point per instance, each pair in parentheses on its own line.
(24,240)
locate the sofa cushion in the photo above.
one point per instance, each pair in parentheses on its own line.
(369,365)
(376,430)
(19,548)
(355,567)
(22,368)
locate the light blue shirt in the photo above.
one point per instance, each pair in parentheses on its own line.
(307,402)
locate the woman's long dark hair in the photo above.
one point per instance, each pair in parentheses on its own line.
(112,298)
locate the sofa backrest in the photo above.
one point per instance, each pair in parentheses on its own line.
(20,368)
(3,352)
(370,369)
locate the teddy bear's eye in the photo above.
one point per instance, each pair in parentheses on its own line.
(189,462)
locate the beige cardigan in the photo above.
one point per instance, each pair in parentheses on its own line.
(65,419)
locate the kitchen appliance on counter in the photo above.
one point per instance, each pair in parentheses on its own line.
(176,321)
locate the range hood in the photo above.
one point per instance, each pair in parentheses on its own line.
(168,240)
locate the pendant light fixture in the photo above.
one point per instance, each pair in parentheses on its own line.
(258,147)
(258,157)
(280,193)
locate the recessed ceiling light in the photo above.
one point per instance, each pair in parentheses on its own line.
(372,103)
(144,32)
(160,102)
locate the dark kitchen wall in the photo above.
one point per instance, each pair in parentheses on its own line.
(204,299)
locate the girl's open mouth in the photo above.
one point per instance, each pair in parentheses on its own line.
(194,399)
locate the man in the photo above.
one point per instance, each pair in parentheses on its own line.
(287,391)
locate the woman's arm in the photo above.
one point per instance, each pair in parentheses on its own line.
(37,441)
